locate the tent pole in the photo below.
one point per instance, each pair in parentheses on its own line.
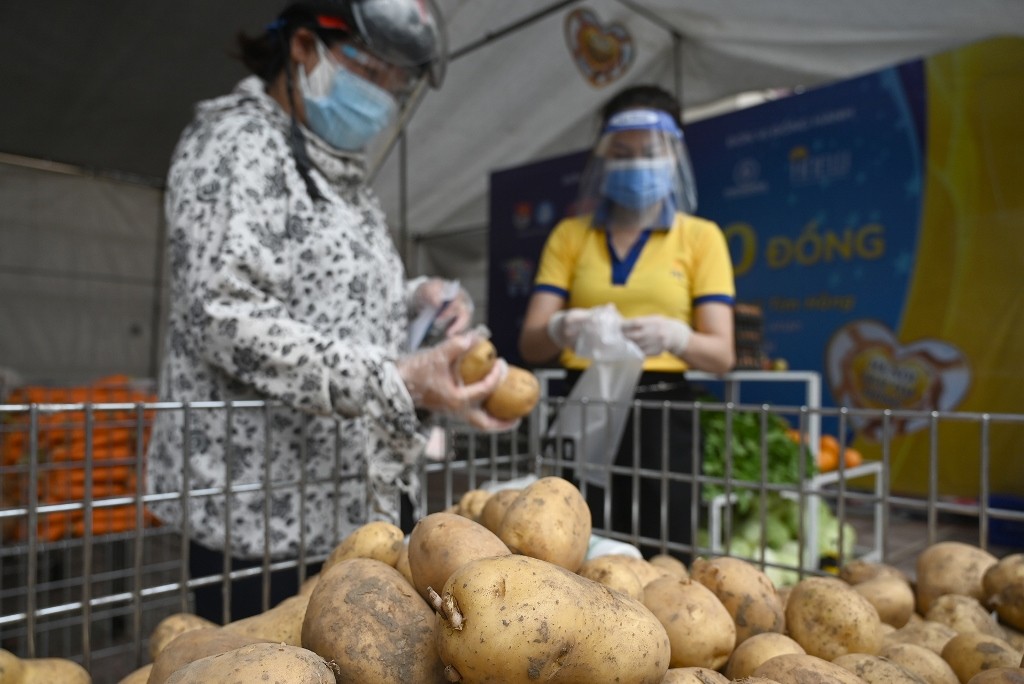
(403,202)
(511,28)
(677,65)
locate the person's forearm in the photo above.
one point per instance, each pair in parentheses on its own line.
(536,347)
(709,353)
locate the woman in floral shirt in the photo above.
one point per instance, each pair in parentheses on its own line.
(285,286)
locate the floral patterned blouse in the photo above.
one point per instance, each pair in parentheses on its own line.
(276,297)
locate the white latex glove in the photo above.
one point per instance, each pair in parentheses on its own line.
(454,316)
(657,334)
(565,325)
(431,376)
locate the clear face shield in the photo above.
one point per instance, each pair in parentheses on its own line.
(640,165)
(405,33)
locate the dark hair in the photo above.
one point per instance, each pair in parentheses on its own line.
(265,54)
(646,96)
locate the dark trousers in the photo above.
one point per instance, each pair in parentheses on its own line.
(657,489)
(246,593)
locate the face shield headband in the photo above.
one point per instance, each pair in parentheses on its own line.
(639,163)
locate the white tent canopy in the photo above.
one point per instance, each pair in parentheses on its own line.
(105,87)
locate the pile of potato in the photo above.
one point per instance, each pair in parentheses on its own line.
(498,589)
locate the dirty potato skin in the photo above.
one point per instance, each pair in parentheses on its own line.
(441,542)
(376,539)
(366,620)
(521,620)
(746,592)
(173,625)
(972,652)
(192,645)
(829,619)
(749,655)
(797,668)
(257,663)
(950,568)
(700,630)
(876,670)
(549,520)
(694,675)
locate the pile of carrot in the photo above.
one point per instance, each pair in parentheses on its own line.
(75,458)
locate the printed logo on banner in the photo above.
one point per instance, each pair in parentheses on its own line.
(522,215)
(602,53)
(746,179)
(807,168)
(867,367)
(518,276)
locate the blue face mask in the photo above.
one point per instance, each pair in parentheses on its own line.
(345,110)
(638,183)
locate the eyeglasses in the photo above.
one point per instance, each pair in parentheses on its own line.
(396,80)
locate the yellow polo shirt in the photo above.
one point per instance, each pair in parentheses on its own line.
(668,272)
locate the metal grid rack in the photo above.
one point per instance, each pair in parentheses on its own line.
(95,595)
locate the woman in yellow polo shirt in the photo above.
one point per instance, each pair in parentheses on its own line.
(637,245)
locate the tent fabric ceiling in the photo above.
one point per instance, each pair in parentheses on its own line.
(109,84)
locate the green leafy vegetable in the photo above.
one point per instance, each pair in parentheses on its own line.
(781,454)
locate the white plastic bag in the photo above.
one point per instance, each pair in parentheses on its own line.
(608,385)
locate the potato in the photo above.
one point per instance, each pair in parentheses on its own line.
(549,520)
(139,676)
(1009,603)
(377,539)
(745,591)
(15,670)
(1013,637)
(700,629)
(928,633)
(828,618)
(970,653)
(876,670)
(173,625)
(1007,570)
(860,570)
(307,584)
(925,662)
(257,663)
(521,620)
(754,650)
(670,563)
(472,503)
(515,396)
(614,575)
(999,675)
(494,509)
(963,614)
(891,596)
(441,543)
(371,625)
(402,565)
(281,624)
(477,362)
(803,668)
(193,645)
(646,571)
(950,568)
(694,675)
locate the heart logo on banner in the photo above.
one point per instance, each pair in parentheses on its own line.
(868,368)
(602,53)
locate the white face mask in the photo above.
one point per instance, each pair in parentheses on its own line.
(317,83)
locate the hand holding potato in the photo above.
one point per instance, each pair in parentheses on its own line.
(517,392)
(431,379)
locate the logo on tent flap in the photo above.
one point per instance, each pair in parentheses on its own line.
(602,53)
